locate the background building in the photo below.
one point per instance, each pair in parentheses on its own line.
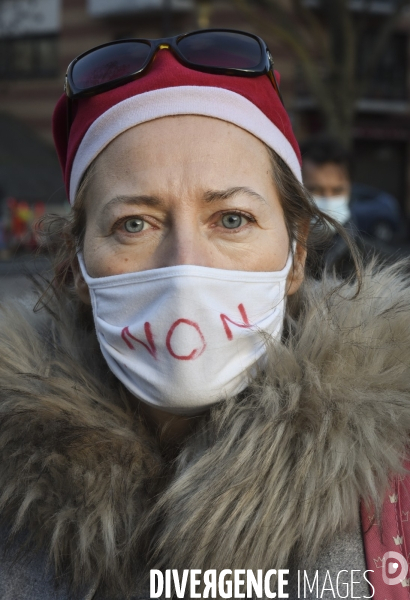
(38,38)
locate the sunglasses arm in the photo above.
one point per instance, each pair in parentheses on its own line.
(271,75)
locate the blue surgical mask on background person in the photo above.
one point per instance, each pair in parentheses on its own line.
(336,207)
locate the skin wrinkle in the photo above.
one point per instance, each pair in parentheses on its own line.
(209,197)
(132,201)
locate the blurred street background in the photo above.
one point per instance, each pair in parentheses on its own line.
(344,68)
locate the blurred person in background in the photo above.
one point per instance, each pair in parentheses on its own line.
(370,216)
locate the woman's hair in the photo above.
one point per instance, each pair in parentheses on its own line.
(305,223)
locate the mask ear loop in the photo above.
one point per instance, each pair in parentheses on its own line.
(290,260)
(82,266)
(292,251)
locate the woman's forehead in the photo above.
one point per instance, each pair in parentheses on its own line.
(185,144)
(183,157)
(182,130)
(190,138)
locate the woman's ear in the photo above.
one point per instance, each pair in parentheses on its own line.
(297,270)
(80,285)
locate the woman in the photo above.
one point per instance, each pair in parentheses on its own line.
(217,438)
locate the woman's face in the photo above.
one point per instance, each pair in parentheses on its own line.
(185,190)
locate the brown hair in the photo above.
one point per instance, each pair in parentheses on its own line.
(63,236)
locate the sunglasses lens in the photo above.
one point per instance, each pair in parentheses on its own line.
(223,49)
(109,63)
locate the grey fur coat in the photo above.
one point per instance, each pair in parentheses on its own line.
(269,477)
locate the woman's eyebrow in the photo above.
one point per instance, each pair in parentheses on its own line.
(219,195)
(152,201)
(209,196)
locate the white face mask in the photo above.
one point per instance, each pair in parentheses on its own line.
(334,206)
(182,338)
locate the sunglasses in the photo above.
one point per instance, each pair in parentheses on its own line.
(219,51)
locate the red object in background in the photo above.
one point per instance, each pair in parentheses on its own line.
(19,220)
(20,224)
(39,210)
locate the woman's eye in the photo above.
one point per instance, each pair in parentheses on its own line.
(134,225)
(233,221)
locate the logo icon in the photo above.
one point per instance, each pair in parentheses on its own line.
(394,568)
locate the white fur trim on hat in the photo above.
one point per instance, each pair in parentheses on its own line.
(184,100)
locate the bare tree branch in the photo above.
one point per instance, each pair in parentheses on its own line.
(312,23)
(292,21)
(326,47)
(382,39)
(286,32)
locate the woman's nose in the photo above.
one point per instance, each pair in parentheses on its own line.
(186,245)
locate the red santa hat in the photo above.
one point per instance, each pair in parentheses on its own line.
(169,88)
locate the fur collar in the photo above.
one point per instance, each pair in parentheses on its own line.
(268,477)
